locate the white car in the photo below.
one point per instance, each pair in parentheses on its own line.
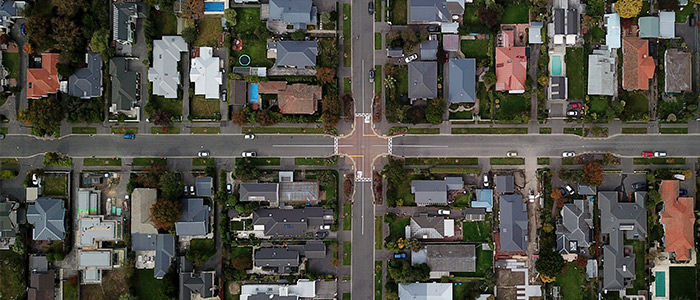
(444,212)
(512,154)
(325,227)
(411,58)
(249,154)
(203,154)
(486,180)
(680,177)
(35,179)
(659,154)
(249,136)
(568,154)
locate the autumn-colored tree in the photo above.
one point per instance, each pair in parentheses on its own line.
(488,17)
(593,174)
(70,8)
(331,111)
(64,32)
(28,49)
(194,9)
(628,8)
(242,262)
(325,75)
(165,213)
(239,117)
(264,118)
(581,262)
(161,118)
(38,28)
(4,38)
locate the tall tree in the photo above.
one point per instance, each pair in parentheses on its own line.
(161,118)
(593,174)
(44,115)
(628,8)
(435,110)
(171,186)
(239,117)
(39,31)
(550,263)
(70,8)
(325,75)
(165,213)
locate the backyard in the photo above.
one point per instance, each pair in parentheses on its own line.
(475,49)
(571,280)
(202,108)
(148,288)
(516,13)
(11,62)
(55,185)
(476,232)
(683,284)
(399,12)
(12,282)
(640,282)
(247,20)
(164,22)
(575,61)
(396,227)
(208,31)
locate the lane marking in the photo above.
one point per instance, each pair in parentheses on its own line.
(301,146)
(421,146)
(372,134)
(357,155)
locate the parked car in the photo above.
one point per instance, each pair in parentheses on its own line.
(400,255)
(249,154)
(223,95)
(411,58)
(659,154)
(576,105)
(572,113)
(680,177)
(639,186)
(444,212)
(321,234)
(229,188)
(326,227)
(567,190)
(486,180)
(192,193)
(682,192)
(187,190)
(647,154)
(691,21)
(35,179)
(371,75)
(203,153)
(568,154)
(370,7)
(129,136)
(2,136)
(249,136)
(433,28)
(23,30)
(512,154)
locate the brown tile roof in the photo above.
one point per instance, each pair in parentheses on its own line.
(638,67)
(296,98)
(271,87)
(678,73)
(43,81)
(678,219)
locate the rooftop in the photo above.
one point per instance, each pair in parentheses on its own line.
(87,82)
(205,74)
(677,71)
(164,75)
(678,219)
(48,217)
(195,218)
(462,83)
(422,80)
(297,54)
(637,67)
(513,217)
(43,81)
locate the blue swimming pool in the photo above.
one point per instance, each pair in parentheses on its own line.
(660,284)
(254,97)
(214,6)
(556,65)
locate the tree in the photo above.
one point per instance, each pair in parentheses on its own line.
(4,39)
(189,34)
(64,30)
(403,272)
(38,28)
(70,8)
(161,118)
(171,186)
(128,296)
(415,114)
(628,8)
(435,110)
(653,200)
(550,263)
(331,110)
(242,262)
(596,8)
(165,213)
(488,17)
(298,35)
(239,117)
(547,227)
(409,37)
(325,75)
(264,118)
(44,115)
(423,34)
(489,79)
(100,40)
(593,174)
(19,247)
(83,110)
(581,262)
(543,80)
(194,9)
(230,15)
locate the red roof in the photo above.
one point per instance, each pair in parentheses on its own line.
(678,220)
(43,81)
(637,66)
(511,64)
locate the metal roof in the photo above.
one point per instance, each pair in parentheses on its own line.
(141,202)
(575,229)
(601,71)
(462,83)
(513,223)
(422,80)
(164,74)
(429,11)
(204,186)
(283,260)
(205,73)
(87,82)
(428,50)
(195,218)
(425,291)
(100,259)
(48,217)
(300,13)
(298,54)
(295,192)
(291,222)
(484,198)
(451,258)
(124,84)
(259,192)
(505,184)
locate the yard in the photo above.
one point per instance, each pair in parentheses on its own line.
(256,49)
(208,31)
(475,48)
(640,282)
(636,107)
(507,161)
(571,281)
(243,252)
(12,282)
(202,161)
(399,12)
(598,104)
(515,108)
(476,232)
(147,287)
(172,106)
(247,19)
(202,108)
(462,200)
(401,81)
(516,13)
(465,290)
(11,62)
(401,195)
(55,185)
(683,284)
(200,250)
(396,227)
(106,161)
(164,22)
(575,61)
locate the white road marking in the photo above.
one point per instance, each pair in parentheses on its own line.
(301,146)
(363,209)
(421,146)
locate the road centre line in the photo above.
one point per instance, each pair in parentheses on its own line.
(422,146)
(301,146)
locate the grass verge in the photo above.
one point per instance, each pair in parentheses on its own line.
(673,130)
(202,161)
(378,286)
(378,232)
(102,161)
(125,130)
(84,130)
(347,215)
(489,130)
(291,130)
(442,161)
(443,170)
(659,161)
(546,130)
(165,130)
(576,131)
(147,161)
(507,161)
(543,161)
(347,253)
(634,130)
(205,130)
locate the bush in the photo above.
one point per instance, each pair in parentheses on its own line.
(7,174)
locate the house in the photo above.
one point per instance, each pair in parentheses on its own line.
(87,202)
(164,74)
(648,27)
(422,80)
(677,218)
(92,231)
(586,190)
(205,73)
(298,192)
(43,80)
(142,200)
(612,24)
(601,73)
(575,228)
(620,221)
(295,98)
(87,82)
(394,52)
(434,11)
(462,80)
(42,285)
(428,50)
(637,66)
(451,42)
(153,251)
(280,223)
(474,214)
(484,199)
(425,291)
(124,16)
(505,184)
(204,186)
(667,24)
(195,218)
(8,223)
(260,192)
(566,23)
(126,92)
(303,288)
(511,64)
(534,33)
(434,192)
(557,89)
(97,259)
(278,260)
(513,223)
(444,259)
(194,284)
(677,71)
(296,54)
(424,227)
(48,217)
(295,14)
(10,10)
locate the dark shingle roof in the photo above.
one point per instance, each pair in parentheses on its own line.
(299,54)
(124,84)
(422,80)
(462,82)
(195,217)
(48,216)
(291,222)
(513,218)
(283,260)
(87,82)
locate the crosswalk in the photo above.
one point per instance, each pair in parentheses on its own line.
(363,179)
(335,146)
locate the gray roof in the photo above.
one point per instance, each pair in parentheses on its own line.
(574,232)
(196,283)
(534,33)
(505,184)
(291,222)
(454,183)
(195,217)
(429,227)
(124,20)
(297,12)
(429,11)
(312,249)
(559,21)
(8,219)
(451,258)
(164,246)
(394,52)
(204,186)
(11,8)
(572,21)
(298,54)
(124,84)
(100,259)
(87,82)
(48,217)
(618,219)
(558,87)
(586,190)
(41,286)
(164,74)
(429,192)
(422,80)
(513,218)
(475,214)
(282,260)
(38,264)
(462,84)
(92,230)
(259,192)
(677,71)
(298,192)
(601,71)
(667,24)
(425,291)
(428,50)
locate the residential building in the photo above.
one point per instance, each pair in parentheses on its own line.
(126,92)
(295,98)
(451,42)
(296,54)
(124,16)
(513,223)
(678,220)
(298,192)
(142,200)
(648,27)
(260,192)
(292,14)
(204,186)
(484,199)
(194,284)
(286,223)
(164,75)
(474,214)
(435,11)
(303,288)
(422,80)
(195,218)
(153,251)
(558,88)
(394,52)
(42,76)
(505,184)
(575,228)
(462,80)
(424,227)
(42,285)
(205,74)
(87,82)
(10,10)
(8,223)
(434,192)
(614,31)
(444,259)
(97,259)
(88,200)
(429,49)
(667,24)
(278,260)
(586,190)
(677,71)
(620,221)
(637,66)
(519,280)
(511,64)
(534,33)
(93,230)
(425,291)
(566,23)
(48,217)
(601,73)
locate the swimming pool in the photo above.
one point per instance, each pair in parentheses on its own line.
(254,97)
(660,284)
(556,65)
(214,6)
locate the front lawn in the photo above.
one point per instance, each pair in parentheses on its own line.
(172,106)
(682,283)
(575,61)
(164,22)
(165,130)
(271,161)
(636,107)
(516,13)
(202,108)
(11,62)
(476,232)
(55,186)
(203,161)
(399,12)
(514,108)
(397,228)
(106,161)
(571,280)
(147,287)
(598,104)
(208,30)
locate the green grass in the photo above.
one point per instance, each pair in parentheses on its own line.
(461,115)
(475,48)
(399,12)
(291,130)
(673,130)
(261,161)
(147,287)
(546,130)
(147,161)
(12,282)
(571,282)
(598,104)
(9,162)
(378,232)
(205,130)
(397,228)
(476,232)
(424,131)
(243,251)
(575,60)
(164,22)
(125,130)
(256,49)
(347,85)
(346,296)
(682,17)
(401,81)
(597,34)
(378,11)
(378,41)
(4,130)
(316,161)
(639,248)
(84,130)
(203,161)
(165,130)
(202,108)
(464,289)
(201,250)
(208,31)
(347,253)
(441,161)
(507,161)
(568,161)
(347,215)
(172,106)
(378,286)
(634,130)
(463,200)
(55,186)
(105,161)
(682,283)
(11,62)
(443,170)
(512,107)
(247,19)
(516,13)
(476,130)
(378,79)
(659,161)
(636,107)
(543,161)
(347,35)
(577,131)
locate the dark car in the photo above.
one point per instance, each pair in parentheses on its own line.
(321,234)
(400,255)
(370,7)
(691,21)
(682,192)
(371,75)
(434,28)
(22,30)
(129,136)
(639,186)
(2,136)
